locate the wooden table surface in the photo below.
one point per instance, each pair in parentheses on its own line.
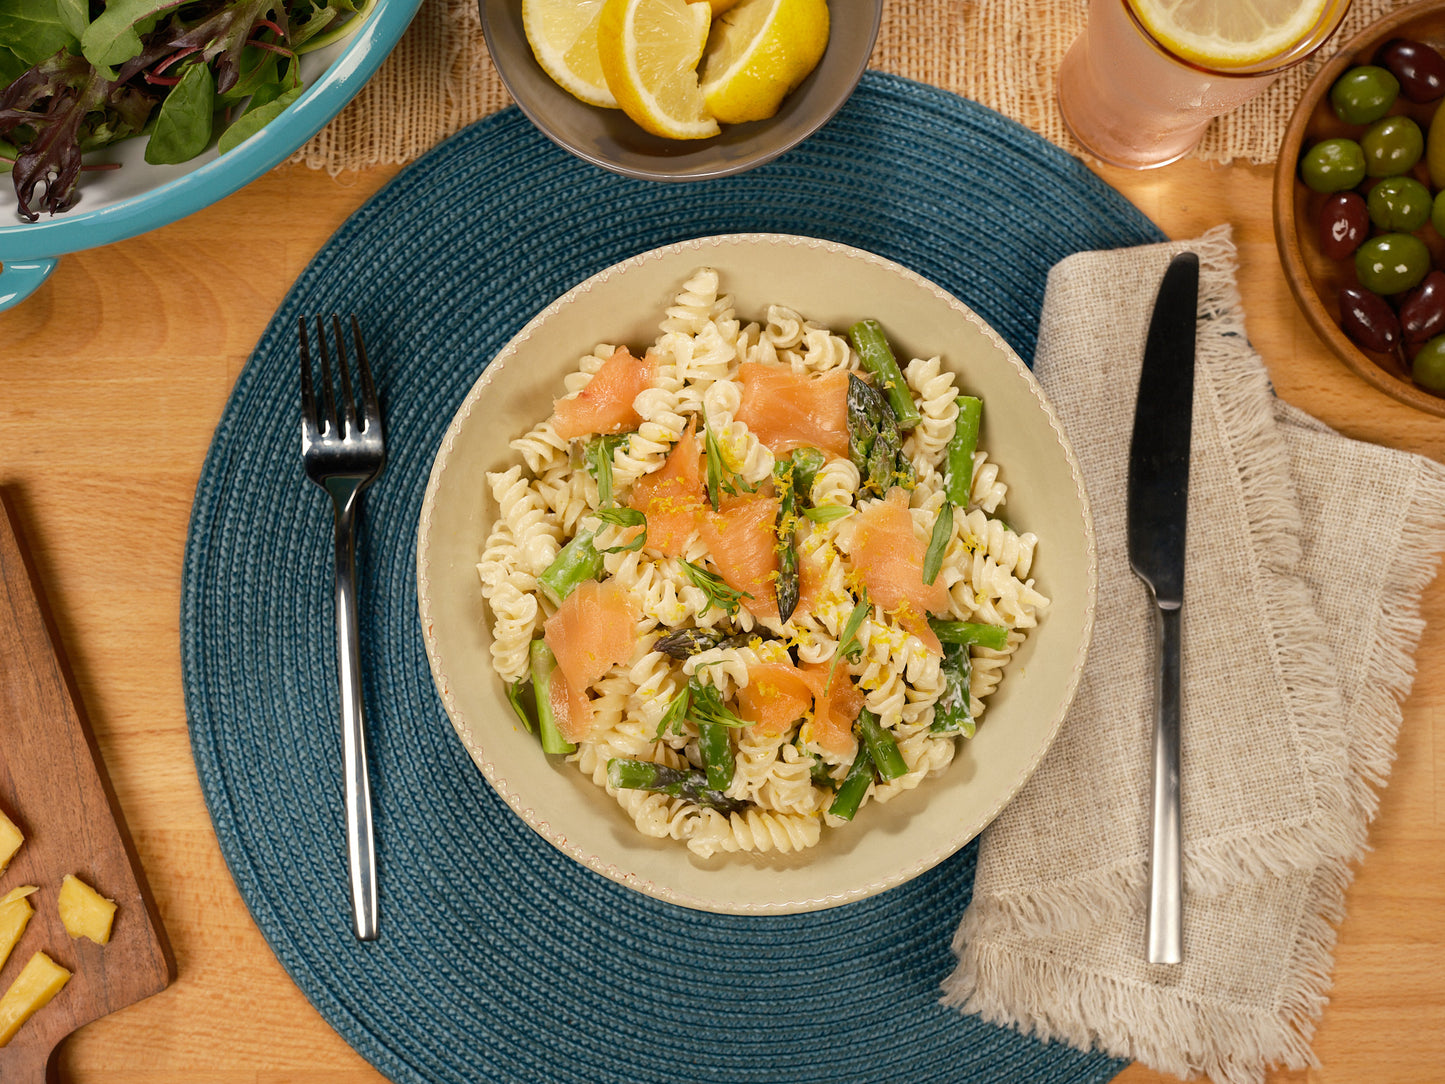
(112,379)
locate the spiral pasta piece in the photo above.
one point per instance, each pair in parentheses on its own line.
(541,448)
(933,390)
(755,830)
(987,491)
(524,511)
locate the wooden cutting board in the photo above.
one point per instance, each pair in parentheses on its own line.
(54,787)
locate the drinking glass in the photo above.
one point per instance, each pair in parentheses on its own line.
(1132,102)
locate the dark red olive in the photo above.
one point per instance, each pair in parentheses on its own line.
(1344,223)
(1420,69)
(1422,314)
(1368,319)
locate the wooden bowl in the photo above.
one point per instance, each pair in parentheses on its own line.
(1314,279)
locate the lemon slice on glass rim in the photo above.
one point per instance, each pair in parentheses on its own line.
(1228,33)
(650,51)
(758,53)
(563,37)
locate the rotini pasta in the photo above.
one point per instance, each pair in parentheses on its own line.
(731,626)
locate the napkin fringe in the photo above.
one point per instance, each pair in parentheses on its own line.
(1167,1030)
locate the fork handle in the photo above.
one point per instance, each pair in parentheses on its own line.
(360,839)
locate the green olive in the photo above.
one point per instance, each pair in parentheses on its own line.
(1392,263)
(1333,165)
(1364,94)
(1428,368)
(1400,204)
(1392,146)
(1437,212)
(1435,150)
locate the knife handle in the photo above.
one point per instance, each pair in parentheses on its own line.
(1166,886)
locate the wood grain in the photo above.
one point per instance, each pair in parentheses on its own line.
(55,789)
(152,332)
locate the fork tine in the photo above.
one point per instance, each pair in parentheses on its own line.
(308,396)
(343,363)
(371,408)
(328,396)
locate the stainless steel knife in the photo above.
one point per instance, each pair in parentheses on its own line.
(1158,503)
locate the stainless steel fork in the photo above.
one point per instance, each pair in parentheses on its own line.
(343,452)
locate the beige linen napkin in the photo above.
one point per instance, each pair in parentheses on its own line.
(1307,554)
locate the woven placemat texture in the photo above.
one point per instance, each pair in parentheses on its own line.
(500,959)
(1004,54)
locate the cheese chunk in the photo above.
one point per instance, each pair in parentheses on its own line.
(41,979)
(10,840)
(15,912)
(84,911)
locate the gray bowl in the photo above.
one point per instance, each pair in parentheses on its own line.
(606,137)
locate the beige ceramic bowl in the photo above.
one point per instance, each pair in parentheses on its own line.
(607,138)
(889,843)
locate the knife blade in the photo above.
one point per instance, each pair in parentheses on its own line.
(1158,505)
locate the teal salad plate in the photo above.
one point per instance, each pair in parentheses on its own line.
(117,203)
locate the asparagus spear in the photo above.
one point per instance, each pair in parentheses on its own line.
(958,472)
(865,414)
(877,357)
(787,523)
(875,444)
(716,746)
(953,711)
(966,633)
(807,462)
(714,720)
(543,663)
(575,563)
(685,643)
(882,749)
(855,785)
(659,778)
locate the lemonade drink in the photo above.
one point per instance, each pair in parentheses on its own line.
(1141,84)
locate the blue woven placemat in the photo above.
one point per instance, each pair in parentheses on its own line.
(500,959)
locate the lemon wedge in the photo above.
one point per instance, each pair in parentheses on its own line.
(758,52)
(650,51)
(563,37)
(1228,33)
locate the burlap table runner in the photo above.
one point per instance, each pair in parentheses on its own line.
(1002,53)
(1307,554)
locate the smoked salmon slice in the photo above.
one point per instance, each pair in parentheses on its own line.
(672,498)
(591,632)
(778,693)
(605,404)
(775,697)
(889,558)
(835,705)
(741,537)
(787,410)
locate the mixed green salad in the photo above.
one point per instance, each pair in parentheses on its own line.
(76,75)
